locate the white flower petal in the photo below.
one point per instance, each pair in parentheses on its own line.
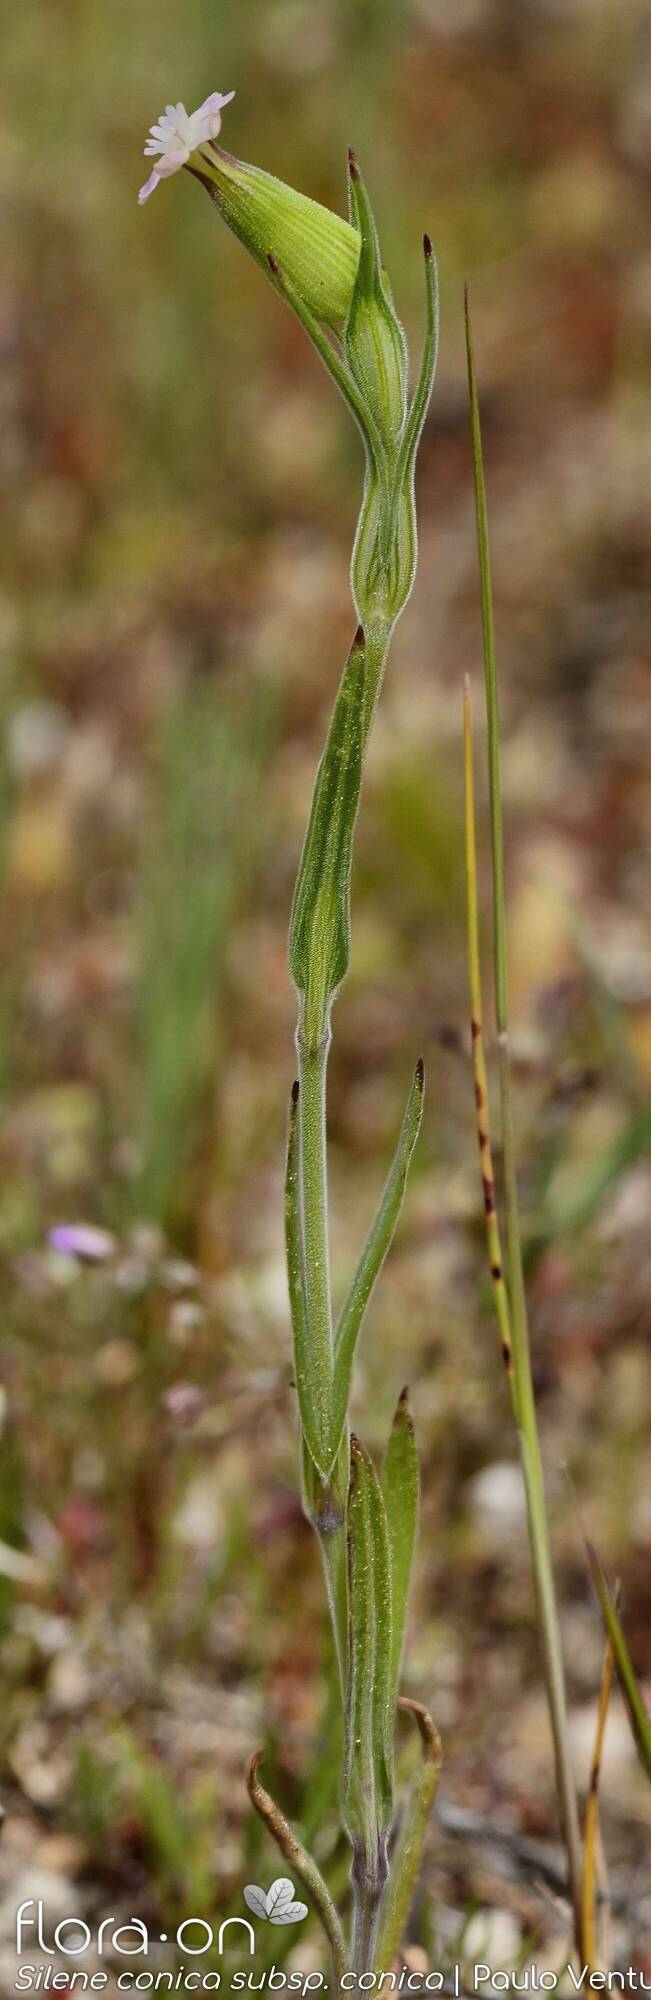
(148,188)
(177,134)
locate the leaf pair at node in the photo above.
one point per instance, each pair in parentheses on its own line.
(323,1378)
(382,1525)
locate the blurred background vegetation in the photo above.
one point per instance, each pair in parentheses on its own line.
(179,491)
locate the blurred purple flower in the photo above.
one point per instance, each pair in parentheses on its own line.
(81,1239)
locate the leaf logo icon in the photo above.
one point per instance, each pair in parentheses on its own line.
(277,1906)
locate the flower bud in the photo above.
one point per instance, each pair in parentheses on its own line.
(313,246)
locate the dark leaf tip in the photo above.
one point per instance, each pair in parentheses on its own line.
(403,1414)
(420,1073)
(295,1090)
(352,164)
(427,245)
(360,637)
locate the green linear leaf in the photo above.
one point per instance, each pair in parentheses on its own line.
(638,1715)
(421,397)
(401,1492)
(384,1708)
(368,1776)
(377,1244)
(374,341)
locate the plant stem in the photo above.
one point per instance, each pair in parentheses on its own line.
(369,1879)
(306,1869)
(325,1503)
(313,1063)
(378,639)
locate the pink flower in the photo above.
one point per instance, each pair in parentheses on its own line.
(81,1239)
(178,133)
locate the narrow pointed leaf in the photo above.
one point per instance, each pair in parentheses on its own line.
(373,339)
(401,1492)
(421,397)
(368,1777)
(399,543)
(319,939)
(384,1717)
(406,1858)
(359,1809)
(638,1715)
(312,1359)
(377,1243)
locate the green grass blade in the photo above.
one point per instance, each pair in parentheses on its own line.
(524,1401)
(480,1075)
(639,1718)
(591,1821)
(377,1244)
(401,1492)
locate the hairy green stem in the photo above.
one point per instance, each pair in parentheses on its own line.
(378,639)
(325,1506)
(312,1069)
(369,1879)
(309,1875)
